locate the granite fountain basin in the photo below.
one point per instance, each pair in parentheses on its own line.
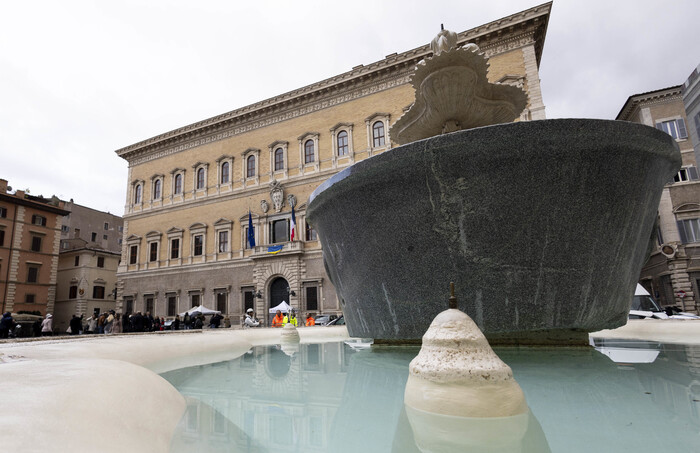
(543,225)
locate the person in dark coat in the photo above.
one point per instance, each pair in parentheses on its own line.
(138,322)
(215,321)
(75,325)
(6,324)
(176,323)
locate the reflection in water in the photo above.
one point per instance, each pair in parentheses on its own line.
(331,398)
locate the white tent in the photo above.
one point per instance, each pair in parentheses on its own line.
(284,307)
(201,309)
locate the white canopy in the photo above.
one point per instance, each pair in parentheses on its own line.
(201,309)
(284,307)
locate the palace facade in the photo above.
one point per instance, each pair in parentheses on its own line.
(194,193)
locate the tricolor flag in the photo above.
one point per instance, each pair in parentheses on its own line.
(251,231)
(294,225)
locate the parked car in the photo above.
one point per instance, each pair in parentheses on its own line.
(340,321)
(645,307)
(322,320)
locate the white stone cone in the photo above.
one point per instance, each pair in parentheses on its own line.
(290,333)
(457,373)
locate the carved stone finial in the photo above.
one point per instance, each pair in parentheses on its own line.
(445,41)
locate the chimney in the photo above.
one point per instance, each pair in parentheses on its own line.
(3,185)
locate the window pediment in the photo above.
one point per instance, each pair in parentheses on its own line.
(156,176)
(133,238)
(250,151)
(223,222)
(307,136)
(224,157)
(177,170)
(175,230)
(339,125)
(277,143)
(198,227)
(687,207)
(377,116)
(153,234)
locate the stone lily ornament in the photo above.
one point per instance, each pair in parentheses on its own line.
(460,396)
(453,93)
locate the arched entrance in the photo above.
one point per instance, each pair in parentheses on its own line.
(278,292)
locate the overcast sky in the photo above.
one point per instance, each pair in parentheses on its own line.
(81,79)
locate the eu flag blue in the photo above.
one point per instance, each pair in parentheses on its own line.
(251,231)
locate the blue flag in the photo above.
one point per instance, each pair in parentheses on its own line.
(274,249)
(251,231)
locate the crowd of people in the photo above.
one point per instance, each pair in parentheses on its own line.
(110,322)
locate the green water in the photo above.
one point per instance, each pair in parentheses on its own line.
(620,397)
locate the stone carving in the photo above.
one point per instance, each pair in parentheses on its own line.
(264,206)
(292,200)
(277,195)
(453,93)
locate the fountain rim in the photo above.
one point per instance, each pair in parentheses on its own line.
(515,128)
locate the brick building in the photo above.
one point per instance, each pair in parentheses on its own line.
(30,235)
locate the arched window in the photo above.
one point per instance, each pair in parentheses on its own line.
(378,134)
(137,194)
(225,173)
(309,151)
(178,183)
(279,159)
(342,143)
(156,189)
(250,167)
(200,178)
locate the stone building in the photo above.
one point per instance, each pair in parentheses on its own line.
(672,273)
(194,193)
(30,236)
(91,243)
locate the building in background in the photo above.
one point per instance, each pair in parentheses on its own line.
(30,234)
(196,194)
(672,273)
(90,251)
(691,101)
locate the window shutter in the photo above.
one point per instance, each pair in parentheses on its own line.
(681,231)
(682,133)
(693,173)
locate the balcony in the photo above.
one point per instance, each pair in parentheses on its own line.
(267,251)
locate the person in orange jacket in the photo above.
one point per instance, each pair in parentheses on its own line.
(310,320)
(278,320)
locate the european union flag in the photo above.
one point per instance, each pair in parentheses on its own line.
(251,231)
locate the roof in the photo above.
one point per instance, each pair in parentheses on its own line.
(636,99)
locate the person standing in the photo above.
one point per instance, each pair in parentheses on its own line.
(188,321)
(6,324)
(310,320)
(176,323)
(293,319)
(117,326)
(109,323)
(250,320)
(91,324)
(75,325)
(47,326)
(278,320)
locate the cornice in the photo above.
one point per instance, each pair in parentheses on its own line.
(648,98)
(525,27)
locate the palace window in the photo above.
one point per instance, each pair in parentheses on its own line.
(153,252)
(200,179)
(250,167)
(157,186)
(98,292)
(309,152)
(100,261)
(39,220)
(137,193)
(172,305)
(32,274)
(223,241)
(29,298)
(689,230)
(133,254)
(77,261)
(378,134)
(221,299)
(149,302)
(689,173)
(177,186)
(311,298)
(93,237)
(106,226)
(73,292)
(2,237)
(674,128)
(225,173)
(310,233)
(36,243)
(194,299)
(342,142)
(279,230)
(175,248)
(3,212)
(279,159)
(198,245)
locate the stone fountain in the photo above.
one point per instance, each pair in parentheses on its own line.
(544,224)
